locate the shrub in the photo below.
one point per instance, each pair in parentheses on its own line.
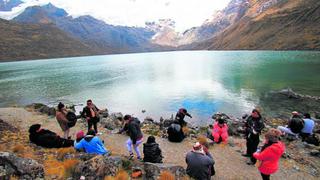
(69,167)
(18,149)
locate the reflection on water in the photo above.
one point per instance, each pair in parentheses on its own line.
(160,83)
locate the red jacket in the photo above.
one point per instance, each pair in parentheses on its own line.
(269,158)
(218,129)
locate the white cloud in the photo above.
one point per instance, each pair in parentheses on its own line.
(186,13)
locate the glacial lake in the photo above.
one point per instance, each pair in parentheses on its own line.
(204,82)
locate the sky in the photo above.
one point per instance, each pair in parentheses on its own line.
(186,13)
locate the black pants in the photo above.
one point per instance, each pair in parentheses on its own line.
(93,121)
(265,177)
(252,145)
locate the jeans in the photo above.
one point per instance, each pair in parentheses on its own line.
(136,148)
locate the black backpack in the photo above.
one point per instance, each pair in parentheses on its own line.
(296,125)
(72,119)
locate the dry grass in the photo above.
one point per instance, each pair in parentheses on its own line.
(121,175)
(18,149)
(69,166)
(61,152)
(185,130)
(59,169)
(166,175)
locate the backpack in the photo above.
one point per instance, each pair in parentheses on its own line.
(72,119)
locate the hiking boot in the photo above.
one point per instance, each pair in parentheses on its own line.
(245,155)
(249,162)
(140,159)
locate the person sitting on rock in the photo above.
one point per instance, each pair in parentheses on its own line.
(91,144)
(270,154)
(308,126)
(180,116)
(132,127)
(61,116)
(152,151)
(293,128)
(175,133)
(220,131)
(199,165)
(253,127)
(47,138)
(91,114)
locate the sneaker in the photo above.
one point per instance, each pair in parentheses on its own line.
(140,159)
(131,156)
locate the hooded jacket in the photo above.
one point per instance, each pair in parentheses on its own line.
(255,124)
(133,130)
(92,145)
(152,153)
(269,158)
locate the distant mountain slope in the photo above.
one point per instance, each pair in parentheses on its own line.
(7,5)
(22,42)
(101,36)
(271,25)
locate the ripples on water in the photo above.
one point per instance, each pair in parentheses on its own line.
(202,81)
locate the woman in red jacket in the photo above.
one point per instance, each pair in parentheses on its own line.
(220,131)
(270,154)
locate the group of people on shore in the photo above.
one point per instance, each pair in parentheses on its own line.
(200,163)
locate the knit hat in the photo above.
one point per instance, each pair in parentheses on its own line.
(198,148)
(80,134)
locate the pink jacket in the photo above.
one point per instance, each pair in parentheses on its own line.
(269,158)
(218,129)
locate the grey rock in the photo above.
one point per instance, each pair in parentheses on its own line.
(23,168)
(104,113)
(98,167)
(153,170)
(113,121)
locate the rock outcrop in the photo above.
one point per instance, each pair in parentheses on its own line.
(152,170)
(11,165)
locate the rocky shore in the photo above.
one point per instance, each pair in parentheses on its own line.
(19,159)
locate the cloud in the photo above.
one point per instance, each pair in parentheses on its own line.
(186,13)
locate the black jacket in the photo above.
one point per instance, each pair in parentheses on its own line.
(255,124)
(180,118)
(133,130)
(175,133)
(86,112)
(49,139)
(152,153)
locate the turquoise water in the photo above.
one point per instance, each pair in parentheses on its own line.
(202,81)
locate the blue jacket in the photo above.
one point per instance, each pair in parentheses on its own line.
(91,145)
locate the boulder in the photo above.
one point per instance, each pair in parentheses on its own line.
(98,167)
(23,168)
(44,109)
(153,170)
(104,113)
(113,121)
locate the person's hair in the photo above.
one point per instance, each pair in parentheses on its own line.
(307,115)
(256,111)
(91,132)
(34,128)
(60,106)
(151,139)
(221,120)
(89,100)
(127,117)
(184,110)
(273,135)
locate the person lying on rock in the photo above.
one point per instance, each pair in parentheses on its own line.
(175,133)
(180,116)
(200,166)
(271,152)
(47,138)
(253,127)
(132,127)
(91,114)
(294,127)
(151,151)
(91,144)
(220,130)
(61,116)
